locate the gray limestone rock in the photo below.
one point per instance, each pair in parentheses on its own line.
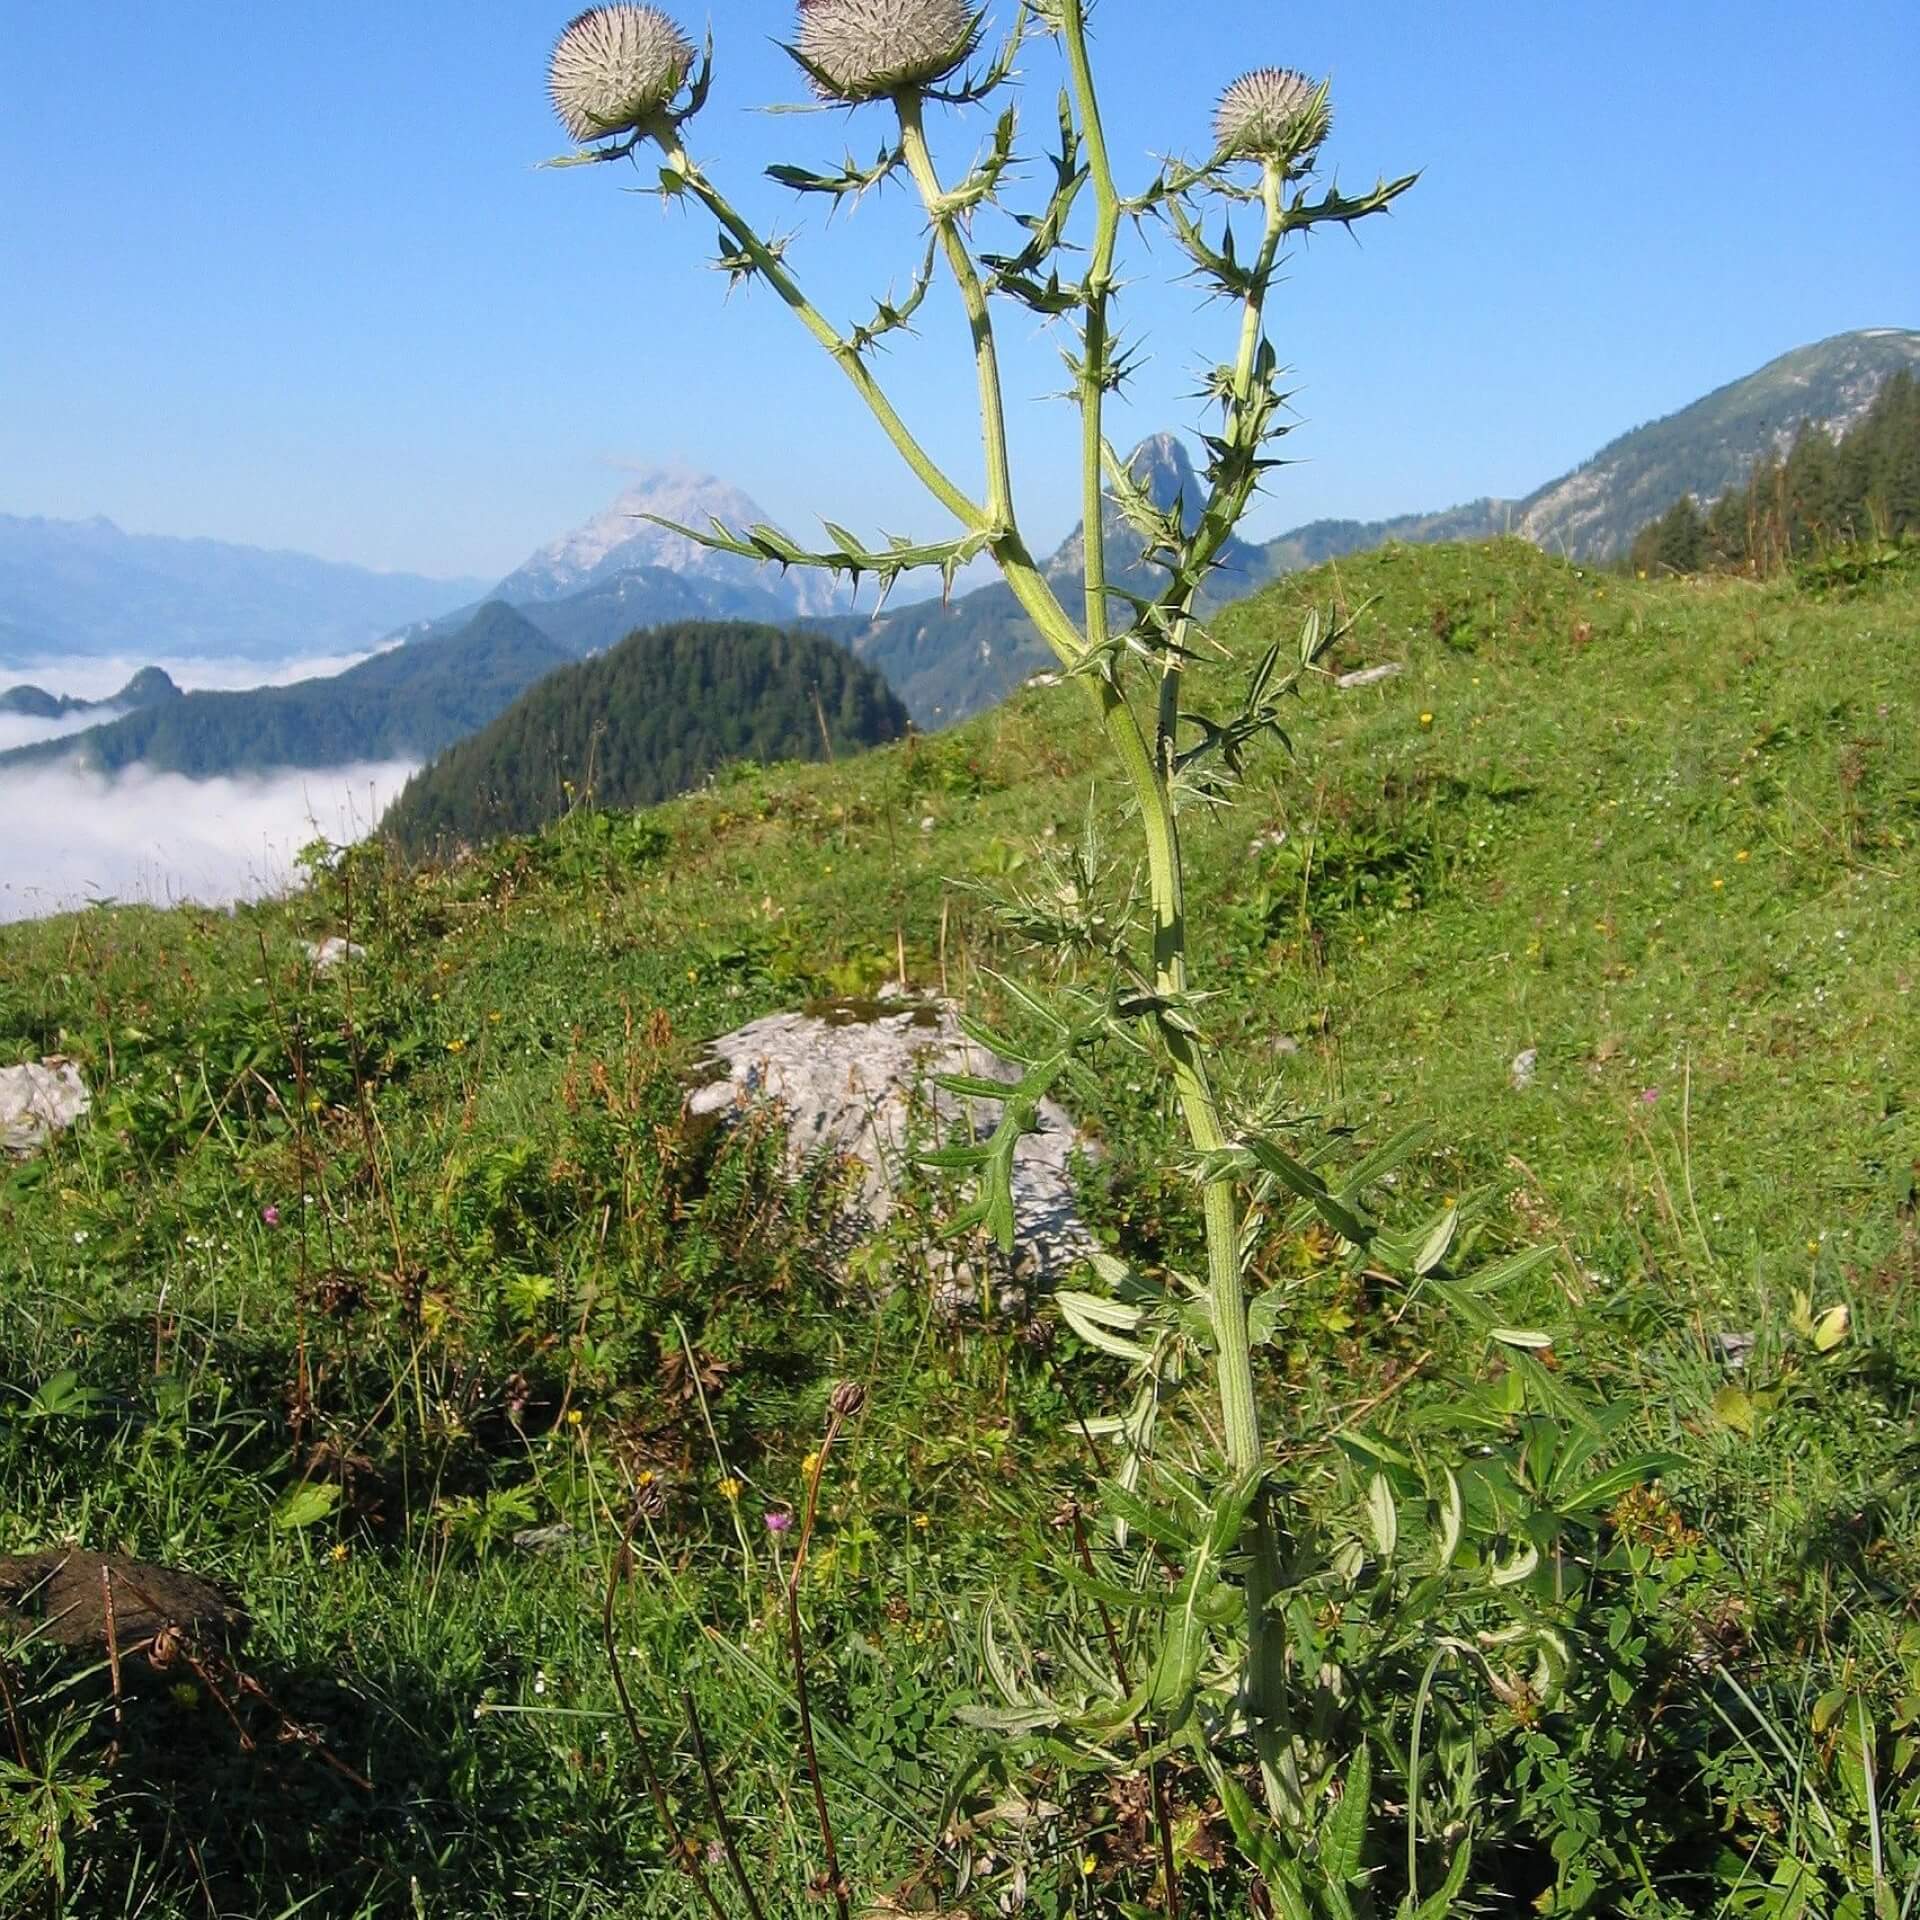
(36,1102)
(844,1079)
(324,955)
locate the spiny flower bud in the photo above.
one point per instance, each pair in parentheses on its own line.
(615,68)
(849,1398)
(1271,114)
(857,50)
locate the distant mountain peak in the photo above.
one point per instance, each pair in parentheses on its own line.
(147,687)
(625,537)
(1162,465)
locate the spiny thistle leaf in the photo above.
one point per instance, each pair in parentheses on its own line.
(851,181)
(615,68)
(1340,210)
(892,316)
(850,557)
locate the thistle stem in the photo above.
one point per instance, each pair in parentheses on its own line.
(1096,337)
(1233,1349)
(986,353)
(1227,504)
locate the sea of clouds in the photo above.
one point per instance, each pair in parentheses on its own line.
(95,679)
(69,836)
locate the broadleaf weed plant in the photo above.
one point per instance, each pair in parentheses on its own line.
(1267,1656)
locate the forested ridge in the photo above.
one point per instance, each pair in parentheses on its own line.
(649,719)
(403,704)
(1822,494)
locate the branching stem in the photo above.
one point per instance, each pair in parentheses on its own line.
(767,264)
(946,222)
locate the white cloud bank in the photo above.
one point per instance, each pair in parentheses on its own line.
(22,729)
(80,678)
(68,836)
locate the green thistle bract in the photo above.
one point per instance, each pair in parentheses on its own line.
(857,50)
(1271,114)
(615,68)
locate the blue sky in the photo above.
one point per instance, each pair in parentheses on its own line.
(287,275)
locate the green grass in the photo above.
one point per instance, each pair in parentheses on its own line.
(1662,836)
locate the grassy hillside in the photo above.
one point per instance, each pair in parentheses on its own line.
(356,1277)
(650,719)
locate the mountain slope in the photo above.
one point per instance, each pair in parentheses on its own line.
(402,705)
(646,721)
(84,587)
(1594,512)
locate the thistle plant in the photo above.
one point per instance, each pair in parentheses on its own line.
(1221,1676)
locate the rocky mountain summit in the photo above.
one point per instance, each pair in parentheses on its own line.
(624,540)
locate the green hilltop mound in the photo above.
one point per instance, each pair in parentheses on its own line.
(647,720)
(386,1296)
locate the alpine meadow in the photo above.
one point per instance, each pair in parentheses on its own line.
(1271,1272)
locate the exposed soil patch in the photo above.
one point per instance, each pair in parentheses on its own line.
(61,1597)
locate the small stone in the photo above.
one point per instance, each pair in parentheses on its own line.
(551,1539)
(324,955)
(1734,1349)
(37,1102)
(1525,1068)
(1369,676)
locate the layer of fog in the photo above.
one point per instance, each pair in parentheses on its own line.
(23,729)
(82,679)
(68,837)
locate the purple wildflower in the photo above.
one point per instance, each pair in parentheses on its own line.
(779,1520)
(269,1216)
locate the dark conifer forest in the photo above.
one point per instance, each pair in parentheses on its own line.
(1822,495)
(649,719)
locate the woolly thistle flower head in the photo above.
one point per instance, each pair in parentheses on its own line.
(856,50)
(615,68)
(1272,113)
